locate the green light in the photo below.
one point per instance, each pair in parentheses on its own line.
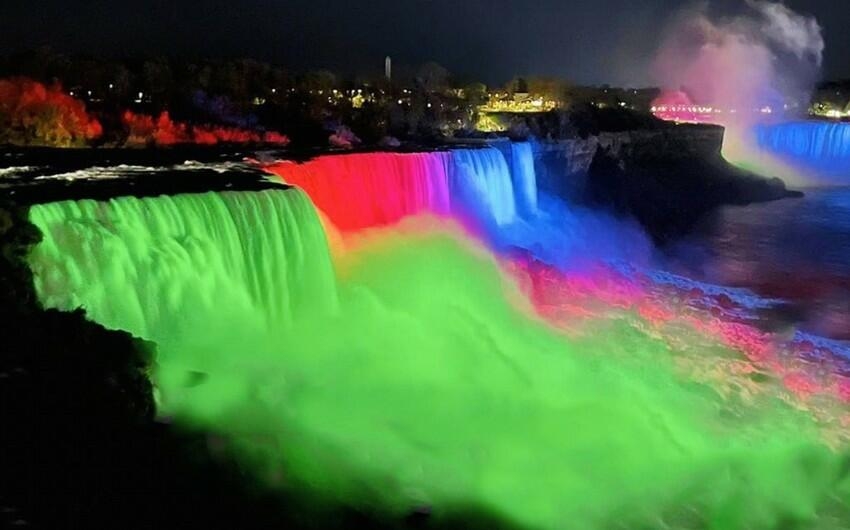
(412,379)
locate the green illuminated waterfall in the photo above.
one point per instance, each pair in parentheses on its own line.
(166,267)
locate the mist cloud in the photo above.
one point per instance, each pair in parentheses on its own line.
(766,56)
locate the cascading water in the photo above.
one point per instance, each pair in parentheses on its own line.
(815,152)
(359,191)
(524,178)
(366,190)
(498,201)
(826,143)
(482,187)
(167,266)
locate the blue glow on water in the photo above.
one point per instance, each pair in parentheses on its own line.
(816,146)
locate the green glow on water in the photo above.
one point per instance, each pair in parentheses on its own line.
(172,266)
(411,377)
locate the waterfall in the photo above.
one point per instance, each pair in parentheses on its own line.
(412,379)
(169,266)
(482,186)
(524,178)
(820,146)
(365,190)
(358,191)
(492,191)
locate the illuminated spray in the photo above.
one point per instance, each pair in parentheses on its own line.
(733,63)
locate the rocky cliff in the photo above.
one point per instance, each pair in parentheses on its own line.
(667,179)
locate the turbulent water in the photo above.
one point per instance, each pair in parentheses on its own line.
(418,369)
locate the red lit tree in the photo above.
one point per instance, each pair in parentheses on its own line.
(34,114)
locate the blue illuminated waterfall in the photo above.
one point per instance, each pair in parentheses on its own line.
(496,190)
(822,147)
(482,187)
(524,178)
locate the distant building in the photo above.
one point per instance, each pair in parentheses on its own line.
(388,67)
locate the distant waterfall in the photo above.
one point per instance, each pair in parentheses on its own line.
(169,266)
(823,147)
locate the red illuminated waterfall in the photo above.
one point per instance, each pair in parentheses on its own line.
(357,191)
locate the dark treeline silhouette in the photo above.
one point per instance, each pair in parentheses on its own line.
(170,96)
(309,107)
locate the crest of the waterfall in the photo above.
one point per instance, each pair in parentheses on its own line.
(165,267)
(367,190)
(524,178)
(482,186)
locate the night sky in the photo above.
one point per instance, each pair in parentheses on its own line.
(588,41)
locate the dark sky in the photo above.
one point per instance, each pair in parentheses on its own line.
(588,41)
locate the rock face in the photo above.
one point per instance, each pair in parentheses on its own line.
(74,395)
(667,179)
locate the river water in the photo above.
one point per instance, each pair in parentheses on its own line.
(797,250)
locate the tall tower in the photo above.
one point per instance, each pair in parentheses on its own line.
(388,67)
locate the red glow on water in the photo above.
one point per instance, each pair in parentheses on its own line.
(368,190)
(163,131)
(569,301)
(40,115)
